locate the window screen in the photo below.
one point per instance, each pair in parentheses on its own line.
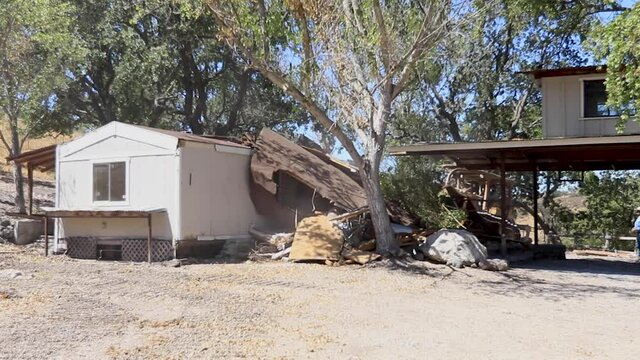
(595,100)
(109,181)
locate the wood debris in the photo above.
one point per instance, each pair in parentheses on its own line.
(359,256)
(316,238)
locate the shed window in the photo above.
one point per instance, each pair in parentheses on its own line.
(109,181)
(595,100)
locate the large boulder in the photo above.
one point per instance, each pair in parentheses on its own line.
(457,248)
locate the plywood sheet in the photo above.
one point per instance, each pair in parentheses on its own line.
(316,238)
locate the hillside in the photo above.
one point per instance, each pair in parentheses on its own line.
(43,191)
(30,144)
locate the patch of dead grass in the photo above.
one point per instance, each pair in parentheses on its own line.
(32,304)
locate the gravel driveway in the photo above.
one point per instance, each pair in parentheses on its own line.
(75,309)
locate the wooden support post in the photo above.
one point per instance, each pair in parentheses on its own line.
(30,187)
(149,238)
(485,196)
(535,207)
(45,220)
(503,208)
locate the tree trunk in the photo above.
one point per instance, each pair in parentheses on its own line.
(542,222)
(18,179)
(385,239)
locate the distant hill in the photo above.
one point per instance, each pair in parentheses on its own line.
(573,201)
(30,144)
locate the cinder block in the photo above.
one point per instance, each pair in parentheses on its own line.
(28,231)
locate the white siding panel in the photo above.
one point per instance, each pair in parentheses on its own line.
(215,198)
(592,127)
(114,128)
(572,107)
(553,96)
(152,184)
(117,146)
(562,110)
(632,128)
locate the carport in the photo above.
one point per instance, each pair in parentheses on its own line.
(558,154)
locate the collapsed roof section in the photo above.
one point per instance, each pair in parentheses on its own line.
(274,154)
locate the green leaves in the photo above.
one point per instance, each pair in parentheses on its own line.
(39,43)
(618,43)
(611,197)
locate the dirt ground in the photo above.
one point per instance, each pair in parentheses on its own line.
(56,307)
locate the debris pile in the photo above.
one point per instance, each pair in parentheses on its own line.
(330,239)
(301,190)
(348,239)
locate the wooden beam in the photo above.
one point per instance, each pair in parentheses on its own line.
(47,167)
(46,236)
(535,207)
(25,216)
(149,238)
(503,208)
(40,160)
(34,155)
(97,214)
(30,187)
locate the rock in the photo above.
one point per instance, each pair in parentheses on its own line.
(456,248)
(494,265)
(7,234)
(10,274)
(5,222)
(172,263)
(456,262)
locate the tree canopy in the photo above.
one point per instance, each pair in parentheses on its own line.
(618,44)
(38,42)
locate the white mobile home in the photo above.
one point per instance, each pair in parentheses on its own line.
(194,189)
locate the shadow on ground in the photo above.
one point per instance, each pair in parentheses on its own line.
(594,266)
(576,278)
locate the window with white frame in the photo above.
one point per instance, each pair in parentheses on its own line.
(110,181)
(595,100)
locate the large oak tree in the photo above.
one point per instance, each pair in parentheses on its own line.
(345,62)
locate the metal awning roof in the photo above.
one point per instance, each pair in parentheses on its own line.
(581,154)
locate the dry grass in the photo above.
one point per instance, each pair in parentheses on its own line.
(31,144)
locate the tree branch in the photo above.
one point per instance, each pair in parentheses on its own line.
(5,143)
(385,47)
(287,86)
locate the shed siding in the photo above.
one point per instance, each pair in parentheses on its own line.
(152,183)
(562,110)
(214,193)
(118,146)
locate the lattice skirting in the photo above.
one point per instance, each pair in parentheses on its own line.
(132,249)
(82,247)
(136,250)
